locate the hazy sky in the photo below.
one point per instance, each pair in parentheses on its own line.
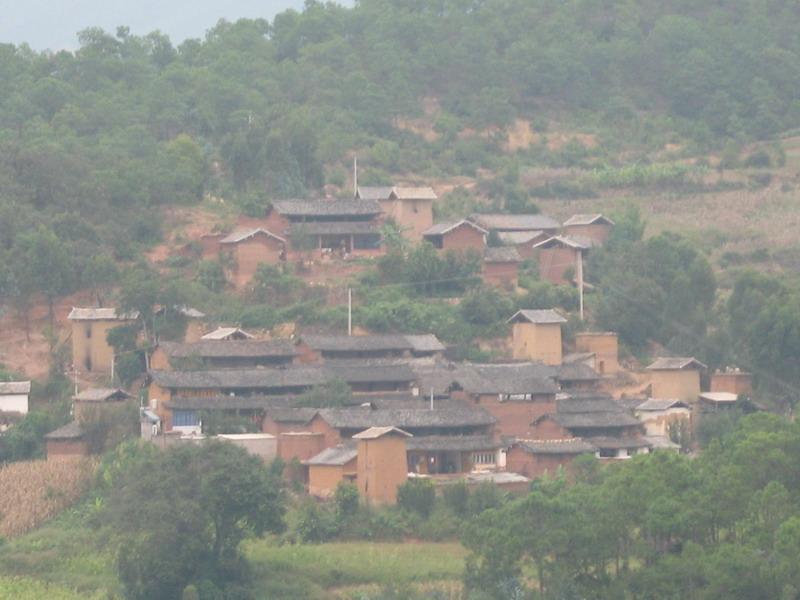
(54,24)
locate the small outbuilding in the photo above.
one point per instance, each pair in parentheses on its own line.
(501,266)
(591,229)
(560,259)
(245,250)
(68,441)
(676,378)
(330,467)
(14,396)
(660,415)
(459,235)
(536,335)
(382,464)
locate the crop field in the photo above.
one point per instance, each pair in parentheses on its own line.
(35,491)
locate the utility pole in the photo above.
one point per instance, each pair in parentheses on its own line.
(355,176)
(580,283)
(431,398)
(349,311)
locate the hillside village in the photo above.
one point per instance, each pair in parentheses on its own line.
(411,409)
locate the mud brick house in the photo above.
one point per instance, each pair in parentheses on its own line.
(501,266)
(660,415)
(458,236)
(535,458)
(330,467)
(313,348)
(411,208)
(559,259)
(350,226)
(523,241)
(381,464)
(68,441)
(676,378)
(245,250)
(604,345)
(596,419)
(732,380)
(536,335)
(14,396)
(95,399)
(223,354)
(227,333)
(90,326)
(502,223)
(592,230)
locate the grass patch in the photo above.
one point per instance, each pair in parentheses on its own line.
(21,588)
(312,571)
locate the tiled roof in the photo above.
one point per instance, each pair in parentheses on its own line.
(244,234)
(374,192)
(721,397)
(442,228)
(230,348)
(576,371)
(101,394)
(496,254)
(227,402)
(560,240)
(565,446)
(224,333)
(450,415)
(659,404)
(595,420)
(588,220)
(374,433)
(615,443)
(502,222)
(326,208)
(15,387)
(595,404)
(335,228)
(336,456)
(676,363)
(374,343)
(515,238)
(509,378)
(70,431)
(538,316)
(414,193)
(100,314)
(455,443)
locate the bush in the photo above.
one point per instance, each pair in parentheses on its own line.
(485,496)
(456,497)
(346,499)
(315,524)
(759,158)
(417,496)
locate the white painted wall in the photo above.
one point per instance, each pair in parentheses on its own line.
(14,403)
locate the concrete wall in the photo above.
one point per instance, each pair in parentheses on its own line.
(554,263)
(14,403)
(263,445)
(532,341)
(515,417)
(597,232)
(323,479)
(605,345)
(382,468)
(679,385)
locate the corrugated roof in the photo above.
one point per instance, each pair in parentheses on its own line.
(70,431)
(326,208)
(561,240)
(564,446)
(335,228)
(659,404)
(336,456)
(101,394)
(538,316)
(374,192)
(224,333)
(585,219)
(676,363)
(414,193)
(15,387)
(100,314)
(501,222)
(230,348)
(495,254)
(721,397)
(374,433)
(442,228)
(244,234)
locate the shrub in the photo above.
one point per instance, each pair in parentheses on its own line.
(315,524)
(759,158)
(485,496)
(456,497)
(417,496)
(346,499)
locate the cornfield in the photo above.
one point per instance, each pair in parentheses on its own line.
(32,492)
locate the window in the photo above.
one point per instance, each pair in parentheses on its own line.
(88,331)
(483,458)
(184,418)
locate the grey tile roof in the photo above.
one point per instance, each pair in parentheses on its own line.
(442,228)
(244,234)
(292,414)
(70,431)
(254,402)
(501,254)
(374,192)
(373,433)
(596,420)
(101,394)
(601,404)
(577,371)
(451,415)
(583,219)
(676,363)
(100,314)
(15,387)
(327,208)
(538,316)
(426,342)
(565,446)
(561,240)
(509,378)
(225,333)
(373,343)
(285,377)
(335,228)
(656,404)
(455,443)
(230,348)
(502,222)
(414,193)
(615,443)
(335,456)
(515,238)
(574,357)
